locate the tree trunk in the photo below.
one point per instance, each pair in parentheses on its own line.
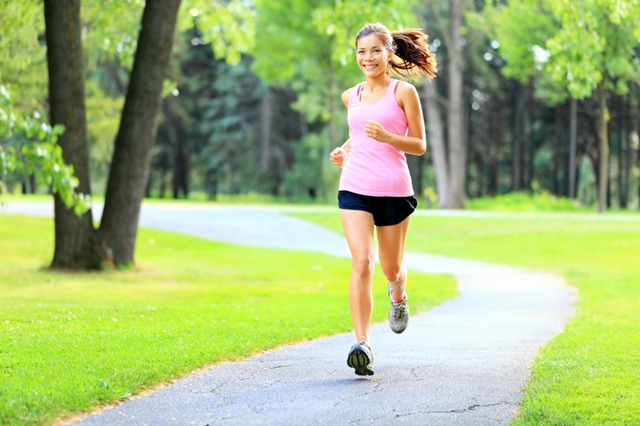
(73,234)
(556,187)
(528,174)
(637,124)
(180,170)
(516,146)
(493,144)
(591,146)
(573,147)
(603,151)
(266,120)
(622,151)
(137,132)
(455,113)
(435,141)
(334,139)
(171,133)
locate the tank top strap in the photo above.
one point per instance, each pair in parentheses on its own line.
(392,87)
(355,94)
(391,91)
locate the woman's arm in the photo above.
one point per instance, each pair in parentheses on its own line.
(346,95)
(340,154)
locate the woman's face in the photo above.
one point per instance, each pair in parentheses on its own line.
(372,55)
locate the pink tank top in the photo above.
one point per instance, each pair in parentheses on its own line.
(376,168)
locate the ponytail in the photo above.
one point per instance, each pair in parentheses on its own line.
(412,56)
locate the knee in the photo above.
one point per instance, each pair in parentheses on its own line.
(363,265)
(394,273)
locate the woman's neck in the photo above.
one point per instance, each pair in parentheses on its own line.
(372,85)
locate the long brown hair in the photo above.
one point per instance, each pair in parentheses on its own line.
(412,56)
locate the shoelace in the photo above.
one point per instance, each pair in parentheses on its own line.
(399,310)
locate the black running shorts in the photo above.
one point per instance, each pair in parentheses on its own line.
(386,211)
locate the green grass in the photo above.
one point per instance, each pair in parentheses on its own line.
(522,201)
(71,341)
(590,374)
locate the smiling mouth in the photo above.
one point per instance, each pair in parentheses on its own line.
(370,67)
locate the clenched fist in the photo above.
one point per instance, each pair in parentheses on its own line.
(338,156)
(374,130)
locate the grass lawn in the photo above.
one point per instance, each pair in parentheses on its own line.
(71,341)
(589,375)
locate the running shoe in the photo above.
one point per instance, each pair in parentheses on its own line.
(399,314)
(361,358)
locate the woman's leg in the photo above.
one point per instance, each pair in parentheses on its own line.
(358,229)
(391,243)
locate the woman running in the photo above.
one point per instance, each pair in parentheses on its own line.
(375,192)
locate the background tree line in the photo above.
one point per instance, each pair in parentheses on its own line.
(531,96)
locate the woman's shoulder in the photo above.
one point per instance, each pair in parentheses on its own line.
(405,91)
(405,87)
(346,95)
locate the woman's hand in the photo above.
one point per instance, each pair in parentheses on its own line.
(338,156)
(374,130)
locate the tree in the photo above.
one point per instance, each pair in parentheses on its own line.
(449,152)
(596,51)
(589,49)
(232,126)
(136,136)
(235,130)
(78,244)
(67,107)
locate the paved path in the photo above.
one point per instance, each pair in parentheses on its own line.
(462,363)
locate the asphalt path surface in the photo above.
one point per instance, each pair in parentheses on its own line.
(462,363)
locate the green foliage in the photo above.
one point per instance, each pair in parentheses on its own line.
(305,178)
(229,128)
(22,53)
(291,50)
(578,44)
(111,30)
(562,47)
(238,130)
(103,119)
(522,30)
(313,45)
(228,25)
(106,41)
(596,40)
(69,342)
(29,146)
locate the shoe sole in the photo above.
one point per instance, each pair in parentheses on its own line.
(360,361)
(398,331)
